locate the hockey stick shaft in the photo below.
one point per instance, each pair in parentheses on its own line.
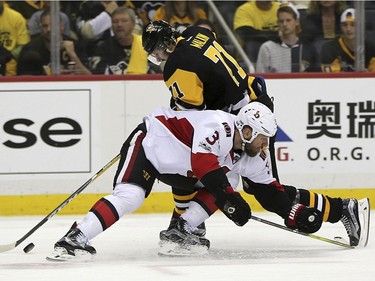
(8,247)
(302,233)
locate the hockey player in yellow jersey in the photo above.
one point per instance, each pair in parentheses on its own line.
(198,71)
(199,74)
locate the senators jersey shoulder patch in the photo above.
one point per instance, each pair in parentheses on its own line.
(227,129)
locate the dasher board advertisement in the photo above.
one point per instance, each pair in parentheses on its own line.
(45,131)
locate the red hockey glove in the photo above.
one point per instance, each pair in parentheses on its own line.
(303,218)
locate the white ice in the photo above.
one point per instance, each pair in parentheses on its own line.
(128,251)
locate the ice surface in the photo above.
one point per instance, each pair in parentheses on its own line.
(128,251)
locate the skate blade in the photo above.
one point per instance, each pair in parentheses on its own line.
(342,240)
(176,250)
(61,255)
(364,218)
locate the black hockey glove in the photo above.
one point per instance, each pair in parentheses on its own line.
(305,219)
(259,86)
(233,206)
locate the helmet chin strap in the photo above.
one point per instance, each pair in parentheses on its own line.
(243,146)
(245,141)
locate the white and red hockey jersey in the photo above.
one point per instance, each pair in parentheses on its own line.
(258,169)
(189,143)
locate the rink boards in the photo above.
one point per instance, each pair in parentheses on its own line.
(56,134)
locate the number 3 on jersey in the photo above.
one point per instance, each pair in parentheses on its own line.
(211,140)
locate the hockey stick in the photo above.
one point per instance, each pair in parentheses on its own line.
(302,233)
(5,248)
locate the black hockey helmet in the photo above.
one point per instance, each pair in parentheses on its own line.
(157,35)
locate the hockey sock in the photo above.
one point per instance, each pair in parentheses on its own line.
(201,207)
(90,226)
(105,211)
(126,198)
(331,208)
(181,200)
(206,200)
(195,215)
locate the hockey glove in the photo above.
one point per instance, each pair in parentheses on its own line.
(233,206)
(259,86)
(305,219)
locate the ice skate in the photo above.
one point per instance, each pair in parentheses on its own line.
(74,246)
(180,239)
(350,220)
(200,231)
(364,217)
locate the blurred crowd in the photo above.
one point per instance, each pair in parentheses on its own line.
(105,37)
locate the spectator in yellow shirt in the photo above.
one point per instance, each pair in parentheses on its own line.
(255,22)
(13,35)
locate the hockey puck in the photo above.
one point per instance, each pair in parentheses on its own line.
(28,248)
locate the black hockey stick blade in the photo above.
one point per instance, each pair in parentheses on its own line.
(338,243)
(8,247)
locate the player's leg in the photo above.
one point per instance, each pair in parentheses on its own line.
(331,208)
(182,238)
(201,207)
(125,198)
(181,199)
(131,187)
(348,211)
(184,191)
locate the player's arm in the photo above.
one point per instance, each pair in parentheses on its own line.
(186,89)
(276,198)
(258,91)
(212,176)
(210,153)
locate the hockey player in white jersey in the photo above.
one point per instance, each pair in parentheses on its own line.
(196,144)
(301,209)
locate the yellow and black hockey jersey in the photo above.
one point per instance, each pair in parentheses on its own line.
(200,74)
